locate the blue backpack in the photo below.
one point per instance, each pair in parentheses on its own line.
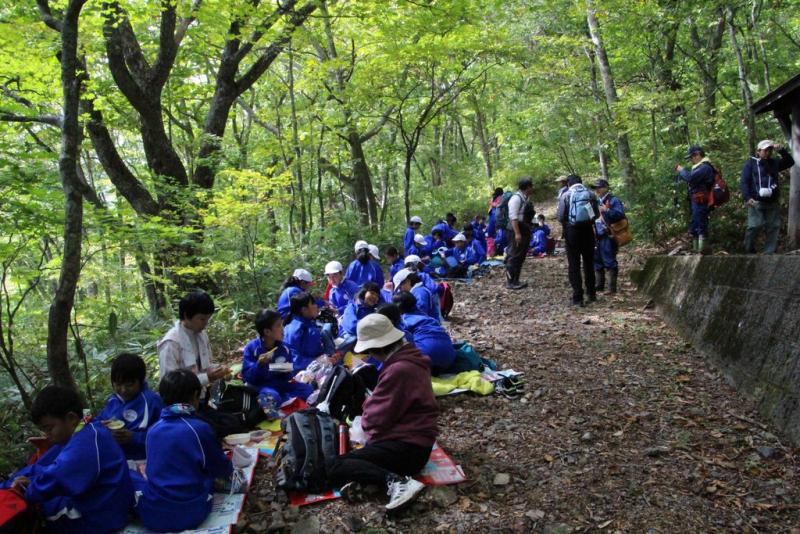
(580,206)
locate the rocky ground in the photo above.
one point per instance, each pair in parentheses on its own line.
(624,427)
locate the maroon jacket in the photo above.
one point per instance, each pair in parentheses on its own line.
(403,407)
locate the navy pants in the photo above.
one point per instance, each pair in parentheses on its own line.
(699,225)
(605,253)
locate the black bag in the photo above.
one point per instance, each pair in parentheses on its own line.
(309,445)
(241,401)
(342,394)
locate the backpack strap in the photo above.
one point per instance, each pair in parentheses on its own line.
(304,422)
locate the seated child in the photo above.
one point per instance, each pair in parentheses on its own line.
(436,240)
(427,334)
(300,281)
(133,403)
(414,224)
(183,459)
(342,290)
(364,268)
(413,263)
(474,244)
(540,236)
(459,259)
(407,280)
(399,419)
(302,333)
(82,482)
(274,388)
(421,247)
(364,304)
(479,229)
(393,260)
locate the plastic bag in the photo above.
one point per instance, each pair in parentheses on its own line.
(357,434)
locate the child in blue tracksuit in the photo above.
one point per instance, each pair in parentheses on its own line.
(539,237)
(447,233)
(479,229)
(365,303)
(300,282)
(133,403)
(82,482)
(183,460)
(302,333)
(342,291)
(413,263)
(464,257)
(427,334)
(474,244)
(410,282)
(421,247)
(436,240)
(393,260)
(364,269)
(605,250)
(414,224)
(274,388)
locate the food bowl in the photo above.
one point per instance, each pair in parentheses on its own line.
(237,439)
(284,367)
(258,435)
(115,424)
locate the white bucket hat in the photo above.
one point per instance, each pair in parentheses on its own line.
(415,219)
(333,267)
(360,244)
(400,277)
(419,238)
(302,274)
(459,237)
(374,252)
(375,331)
(766,143)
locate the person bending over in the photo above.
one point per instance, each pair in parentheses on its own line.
(426,333)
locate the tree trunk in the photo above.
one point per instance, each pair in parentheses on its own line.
(407,182)
(791,129)
(623,147)
(480,128)
(58,319)
(745,87)
(297,166)
(362,182)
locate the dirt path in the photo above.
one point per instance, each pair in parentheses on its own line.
(624,427)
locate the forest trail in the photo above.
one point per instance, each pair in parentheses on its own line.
(623,427)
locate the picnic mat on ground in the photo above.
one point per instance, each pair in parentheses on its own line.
(469,381)
(224,512)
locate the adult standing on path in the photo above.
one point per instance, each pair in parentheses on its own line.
(520,221)
(760,189)
(700,179)
(577,211)
(605,254)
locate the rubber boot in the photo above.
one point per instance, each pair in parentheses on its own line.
(600,277)
(612,280)
(702,245)
(695,244)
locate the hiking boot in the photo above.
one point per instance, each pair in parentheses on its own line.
(402,491)
(592,297)
(600,276)
(577,301)
(516,285)
(612,280)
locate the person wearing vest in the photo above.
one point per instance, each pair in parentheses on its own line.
(700,180)
(520,220)
(605,252)
(577,211)
(760,189)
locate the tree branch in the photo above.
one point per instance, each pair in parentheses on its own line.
(252,114)
(372,132)
(50,120)
(47,15)
(167,45)
(180,33)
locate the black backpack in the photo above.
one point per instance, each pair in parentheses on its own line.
(240,401)
(342,394)
(309,445)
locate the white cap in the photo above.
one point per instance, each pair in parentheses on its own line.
(400,277)
(333,267)
(459,237)
(360,244)
(374,252)
(419,238)
(413,259)
(415,219)
(375,331)
(766,143)
(302,274)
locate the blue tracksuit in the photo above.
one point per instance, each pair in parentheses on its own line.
(605,251)
(304,336)
(479,232)
(354,312)
(395,267)
(360,273)
(700,180)
(539,239)
(408,240)
(279,386)
(138,414)
(448,233)
(472,254)
(431,339)
(183,459)
(342,294)
(425,301)
(436,244)
(421,250)
(284,301)
(87,476)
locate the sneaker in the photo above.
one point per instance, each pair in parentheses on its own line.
(402,491)
(516,285)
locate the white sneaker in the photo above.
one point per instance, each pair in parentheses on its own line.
(402,491)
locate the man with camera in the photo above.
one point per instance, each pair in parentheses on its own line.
(760,189)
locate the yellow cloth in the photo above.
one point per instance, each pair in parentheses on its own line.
(470,380)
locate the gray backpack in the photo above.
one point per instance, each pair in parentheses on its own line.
(580,205)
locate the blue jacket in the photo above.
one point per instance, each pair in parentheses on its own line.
(395,267)
(360,273)
(421,250)
(303,336)
(259,375)
(284,301)
(614,213)
(479,231)
(88,474)
(354,312)
(408,240)
(758,173)
(183,459)
(472,254)
(431,339)
(138,414)
(341,295)
(539,237)
(433,287)
(425,303)
(700,178)
(448,233)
